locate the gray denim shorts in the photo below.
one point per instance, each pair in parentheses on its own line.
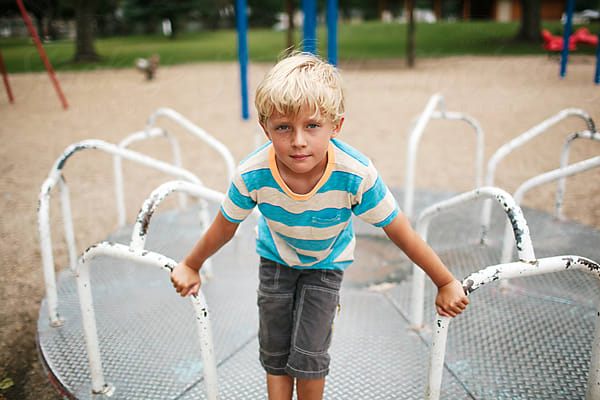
(296,311)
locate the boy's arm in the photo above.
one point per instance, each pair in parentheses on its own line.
(186,276)
(451,299)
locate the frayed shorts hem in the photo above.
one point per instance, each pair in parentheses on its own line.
(288,370)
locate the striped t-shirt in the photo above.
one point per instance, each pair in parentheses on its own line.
(312,230)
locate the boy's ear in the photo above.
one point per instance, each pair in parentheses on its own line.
(265,130)
(337,128)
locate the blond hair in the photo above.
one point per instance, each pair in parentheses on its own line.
(301,80)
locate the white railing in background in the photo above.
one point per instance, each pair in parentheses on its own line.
(560,173)
(564,160)
(517,142)
(118,168)
(55,177)
(198,132)
(413,143)
(513,213)
(508,271)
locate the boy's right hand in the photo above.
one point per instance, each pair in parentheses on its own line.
(186,280)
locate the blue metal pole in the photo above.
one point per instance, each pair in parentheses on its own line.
(241,19)
(332,18)
(597,75)
(309,7)
(568,25)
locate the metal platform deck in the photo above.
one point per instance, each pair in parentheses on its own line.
(531,340)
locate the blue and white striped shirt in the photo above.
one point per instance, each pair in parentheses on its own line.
(312,230)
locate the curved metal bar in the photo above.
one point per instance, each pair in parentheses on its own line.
(519,141)
(140,228)
(516,220)
(508,271)
(89,320)
(118,170)
(53,178)
(415,136)
(200,133)
(564,160)
(539,180)
(411,151)
(455,116)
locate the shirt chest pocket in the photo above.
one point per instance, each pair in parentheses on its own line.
(326,219)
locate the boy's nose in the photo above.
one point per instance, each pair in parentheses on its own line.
(299,138)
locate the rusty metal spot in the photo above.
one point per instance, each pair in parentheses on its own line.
(592,266)
(468,286)
(145,222)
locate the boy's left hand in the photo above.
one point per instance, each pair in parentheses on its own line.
(451,299)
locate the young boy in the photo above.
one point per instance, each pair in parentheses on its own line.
(307,184)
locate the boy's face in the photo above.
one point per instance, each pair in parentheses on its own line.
(300,142)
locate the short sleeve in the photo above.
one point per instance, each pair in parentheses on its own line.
(238,202)
(377,205)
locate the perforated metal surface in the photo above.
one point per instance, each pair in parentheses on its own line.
(530,341)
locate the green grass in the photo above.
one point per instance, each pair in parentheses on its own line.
(369,40)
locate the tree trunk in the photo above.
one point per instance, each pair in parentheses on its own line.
(530,28)
(289,6)
(84,20)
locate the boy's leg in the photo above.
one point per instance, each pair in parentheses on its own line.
(280,387)
(310,389)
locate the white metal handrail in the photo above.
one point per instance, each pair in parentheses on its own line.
(118,169)
(515,217)
(564,160)
(54,177)
(517,142)
(140,228)
(509,271)
(99,385)
(581,166)
(413,144)
(198,132)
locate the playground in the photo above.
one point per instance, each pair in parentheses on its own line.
(507,96)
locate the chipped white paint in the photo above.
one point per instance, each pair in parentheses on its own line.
(201,311)
(516,220)
(54,177)
(594,162)
(140,228)
(508,271)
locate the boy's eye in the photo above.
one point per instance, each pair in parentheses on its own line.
(282,127)
(313,125)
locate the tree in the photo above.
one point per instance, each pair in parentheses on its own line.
(289,9)
(85,50)
(530,27)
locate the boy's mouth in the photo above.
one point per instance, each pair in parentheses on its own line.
(300,157)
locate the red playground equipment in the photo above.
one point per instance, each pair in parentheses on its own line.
(556,43)
(583,35)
